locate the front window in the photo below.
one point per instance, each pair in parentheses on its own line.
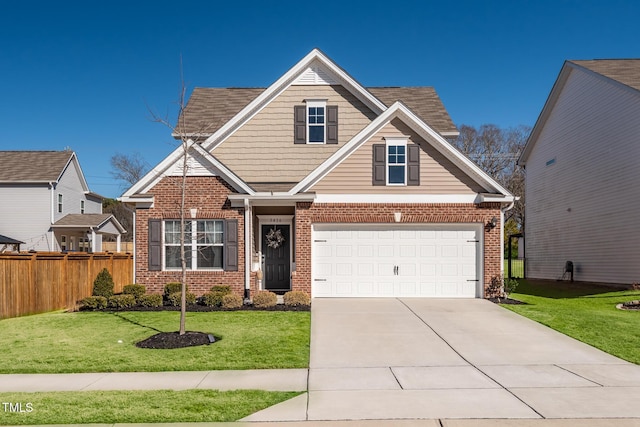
(316,121)
(81,206)
(396,164)
(203,244)
(63,243)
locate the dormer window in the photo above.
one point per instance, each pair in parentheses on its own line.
(316,122)
(396,162)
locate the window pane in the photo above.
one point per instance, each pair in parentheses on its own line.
(320,111)
(172,256)
(209,257)
(312,111)
(396,174)
(316,133)
(392,149)
(400,159)
(400,149)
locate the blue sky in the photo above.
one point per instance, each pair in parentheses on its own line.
(82,74)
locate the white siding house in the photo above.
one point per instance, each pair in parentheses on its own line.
(582,165)
(46,204)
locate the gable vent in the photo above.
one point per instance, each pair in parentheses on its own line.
(315,75)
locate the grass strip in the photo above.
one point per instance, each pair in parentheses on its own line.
(585,312)
(61,342)
(161,406)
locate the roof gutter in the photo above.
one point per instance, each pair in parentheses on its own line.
(271,199)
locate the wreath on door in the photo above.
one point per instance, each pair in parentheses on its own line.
(275,239)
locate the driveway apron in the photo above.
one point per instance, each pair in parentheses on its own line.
(417,358)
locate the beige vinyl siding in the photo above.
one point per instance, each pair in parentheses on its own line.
(583,207)
(437,174)
(262,150)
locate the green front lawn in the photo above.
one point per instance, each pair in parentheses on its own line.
(109,407)
(585,312)
(90,342)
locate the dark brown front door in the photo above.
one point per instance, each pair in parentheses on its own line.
(277,257)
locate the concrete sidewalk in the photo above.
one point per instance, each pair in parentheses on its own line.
(260,379)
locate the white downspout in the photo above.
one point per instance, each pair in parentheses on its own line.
(247,249)
(52,245)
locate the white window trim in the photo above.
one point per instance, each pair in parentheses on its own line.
(395,141)
(316,103)
(194,246)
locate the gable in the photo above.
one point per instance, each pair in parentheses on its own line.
(263,149)
(438,175)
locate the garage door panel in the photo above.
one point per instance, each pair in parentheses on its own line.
(389,260)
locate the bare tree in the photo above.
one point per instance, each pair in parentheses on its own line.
(496,151)
(129,168)
(181,132)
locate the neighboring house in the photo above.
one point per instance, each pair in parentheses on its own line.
(319,184)
(7,244)
(582,175)
(47,206)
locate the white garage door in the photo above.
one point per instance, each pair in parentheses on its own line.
(396,260)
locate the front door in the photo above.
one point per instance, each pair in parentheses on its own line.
(277,257)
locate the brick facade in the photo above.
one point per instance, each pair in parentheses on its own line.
(209,196)
(311,213)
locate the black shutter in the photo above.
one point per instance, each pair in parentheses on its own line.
(379,164)
(413,164)
(155,245)
(332,124)
(300,124)
(230,245)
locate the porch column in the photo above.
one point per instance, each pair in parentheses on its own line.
(93,241)
(118,243)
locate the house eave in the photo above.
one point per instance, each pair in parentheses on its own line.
(270,199)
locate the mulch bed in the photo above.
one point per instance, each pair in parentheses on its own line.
(169,340)
(204,308)
(629,305)
(506,301)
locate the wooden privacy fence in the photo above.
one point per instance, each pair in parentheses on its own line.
(44,281)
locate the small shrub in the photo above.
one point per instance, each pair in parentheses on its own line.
(176,298)
(151,300)
(297,298)
(494,290)
(172,288)
(212,299)
(121,301)
(230,301)
(223,289)
(510,286)
(136,290)
(265,299)
(103,285)
(93,303)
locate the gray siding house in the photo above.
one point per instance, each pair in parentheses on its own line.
(47,205)
(582,165)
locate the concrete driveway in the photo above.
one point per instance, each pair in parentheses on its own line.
(451,359)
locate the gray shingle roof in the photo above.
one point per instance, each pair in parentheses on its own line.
(82,220)
(209,109)
(9,241)
(32,166)
(625,71)
(423,101)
